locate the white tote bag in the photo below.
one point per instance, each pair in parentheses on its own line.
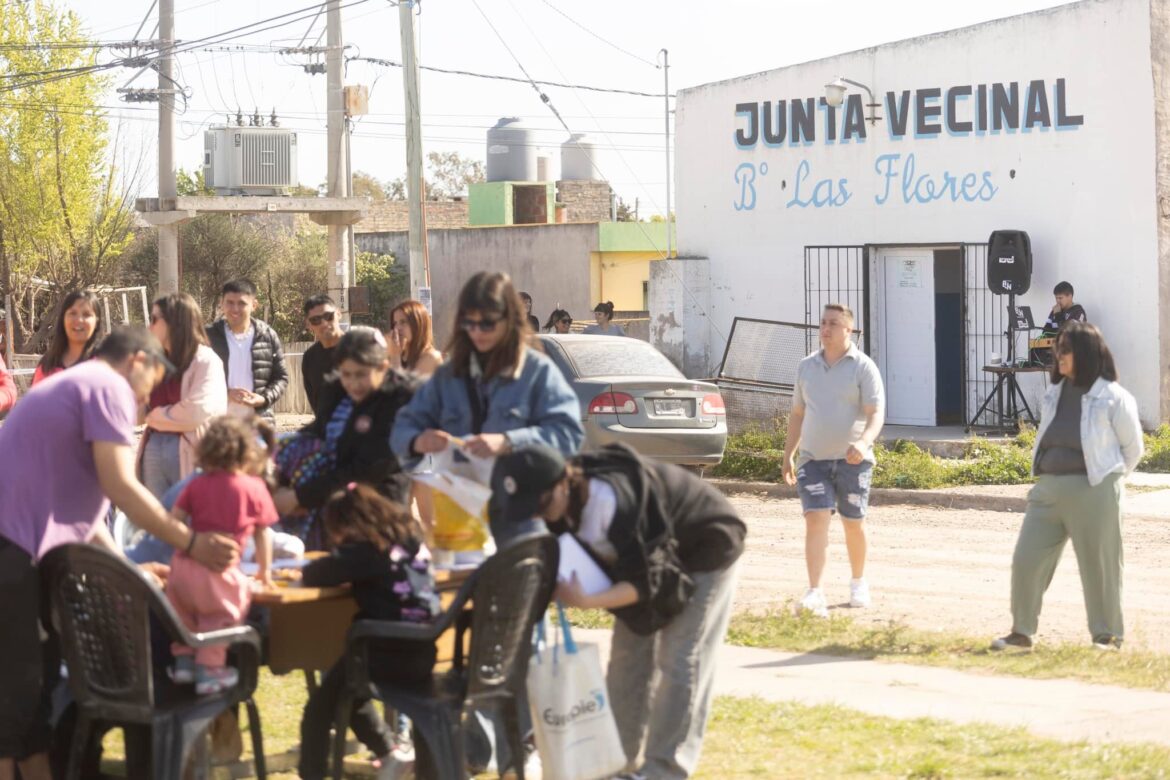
(576,735)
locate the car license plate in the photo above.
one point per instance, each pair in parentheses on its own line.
(670,407)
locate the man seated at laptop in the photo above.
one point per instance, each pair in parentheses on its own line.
(1064,310)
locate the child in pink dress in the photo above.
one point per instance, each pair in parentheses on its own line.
(225,498)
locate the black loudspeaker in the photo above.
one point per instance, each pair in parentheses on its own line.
(1009,262)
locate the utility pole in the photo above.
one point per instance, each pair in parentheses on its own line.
(415,188)
(666,98)
(338,166)
(168,234)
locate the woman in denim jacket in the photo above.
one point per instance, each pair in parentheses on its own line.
(495,393)
(1089,439)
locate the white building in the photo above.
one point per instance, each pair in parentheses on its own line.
(1055,122)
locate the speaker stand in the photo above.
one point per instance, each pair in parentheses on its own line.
(1006,383)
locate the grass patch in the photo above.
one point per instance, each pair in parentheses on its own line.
(584,618)
(757,455)
(1157,455)
(841,635)
(752,738)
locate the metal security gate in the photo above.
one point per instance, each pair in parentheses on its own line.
(837,274)
(984,322)
(842,274)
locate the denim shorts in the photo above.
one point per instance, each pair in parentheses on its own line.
(835,485)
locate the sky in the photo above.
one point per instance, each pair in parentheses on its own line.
(604,43)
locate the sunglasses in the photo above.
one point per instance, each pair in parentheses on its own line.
(317,319)
(567,321)
(483,326)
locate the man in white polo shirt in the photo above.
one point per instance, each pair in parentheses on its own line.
(838,407)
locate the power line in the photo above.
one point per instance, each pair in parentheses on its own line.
(221,37)
(109,112)
(544,98)
(686,288)
(455,72)
(607,42)
(145,17)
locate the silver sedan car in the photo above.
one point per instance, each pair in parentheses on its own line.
(630,392)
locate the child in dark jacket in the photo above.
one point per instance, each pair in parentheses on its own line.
(349,441)
(375,548)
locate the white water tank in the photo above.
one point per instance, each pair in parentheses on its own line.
(579,159)
(511,151)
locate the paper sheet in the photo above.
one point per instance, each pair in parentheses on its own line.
(574,559)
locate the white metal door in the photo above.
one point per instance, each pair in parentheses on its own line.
(905,333)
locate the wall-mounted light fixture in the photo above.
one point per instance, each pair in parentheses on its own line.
(835,96)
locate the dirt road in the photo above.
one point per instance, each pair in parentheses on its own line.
(948,569)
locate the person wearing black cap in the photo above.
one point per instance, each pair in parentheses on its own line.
(669,542)
(66,451)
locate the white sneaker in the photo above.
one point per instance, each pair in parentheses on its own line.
(813,601)
(858,593)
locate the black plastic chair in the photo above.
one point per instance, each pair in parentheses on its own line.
(509,593)
(100,606)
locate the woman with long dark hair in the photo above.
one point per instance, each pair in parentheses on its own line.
(1089,439)
(181,406)
(495,392)
(75,334)
(558,322)
(603,314)
(410,340)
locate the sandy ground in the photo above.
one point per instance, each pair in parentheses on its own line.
(949,569)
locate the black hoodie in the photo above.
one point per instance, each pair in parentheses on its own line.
(363,449)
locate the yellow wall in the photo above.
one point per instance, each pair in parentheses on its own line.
(619,276)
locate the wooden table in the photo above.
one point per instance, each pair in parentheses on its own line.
(307,626)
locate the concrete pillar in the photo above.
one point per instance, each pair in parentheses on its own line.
(1160,62)
(680,299)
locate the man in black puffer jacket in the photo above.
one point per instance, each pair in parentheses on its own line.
(251,353)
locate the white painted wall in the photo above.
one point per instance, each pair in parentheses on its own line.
(1086,195)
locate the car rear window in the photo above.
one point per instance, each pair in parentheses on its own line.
(629,357)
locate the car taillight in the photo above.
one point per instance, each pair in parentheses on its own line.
(713,404)
(613,403)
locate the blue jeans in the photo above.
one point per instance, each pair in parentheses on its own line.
(152,549)
(160,462)
(835,485)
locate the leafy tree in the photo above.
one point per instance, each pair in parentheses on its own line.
(625,213)
(192,183)
(65,213)
(365,185)
(449,174)
(296,269)
(389,284)
(301,191)
(213,249)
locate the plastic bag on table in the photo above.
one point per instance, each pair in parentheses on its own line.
(460,495)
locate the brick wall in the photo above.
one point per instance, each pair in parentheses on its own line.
(585,201)
(387,216)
